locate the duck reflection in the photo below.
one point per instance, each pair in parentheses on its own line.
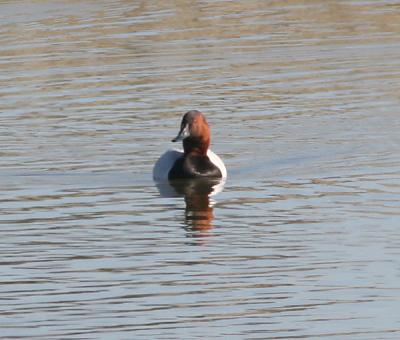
(199,212)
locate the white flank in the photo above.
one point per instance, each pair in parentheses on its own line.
(217,162)
(165,163)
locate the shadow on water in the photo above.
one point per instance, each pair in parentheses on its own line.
(199,211)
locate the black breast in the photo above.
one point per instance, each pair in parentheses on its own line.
(194,166)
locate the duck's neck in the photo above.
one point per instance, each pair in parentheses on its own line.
(196,146)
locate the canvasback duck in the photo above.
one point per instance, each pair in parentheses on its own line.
(196,160)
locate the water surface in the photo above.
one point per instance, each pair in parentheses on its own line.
(303,100)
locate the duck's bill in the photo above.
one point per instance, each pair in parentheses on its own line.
(183,133)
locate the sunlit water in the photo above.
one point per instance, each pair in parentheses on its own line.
(303,100)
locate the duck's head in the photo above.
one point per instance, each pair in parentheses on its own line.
(194,132)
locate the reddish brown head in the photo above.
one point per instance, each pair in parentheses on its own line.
(194,132)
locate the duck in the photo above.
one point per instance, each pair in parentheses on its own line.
(196,160)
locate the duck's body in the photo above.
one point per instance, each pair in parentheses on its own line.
(196,160)
(171,165)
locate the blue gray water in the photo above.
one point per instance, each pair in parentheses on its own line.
(303,100)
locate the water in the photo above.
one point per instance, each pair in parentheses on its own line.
(303,101)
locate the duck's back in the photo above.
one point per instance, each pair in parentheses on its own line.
(194,166)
